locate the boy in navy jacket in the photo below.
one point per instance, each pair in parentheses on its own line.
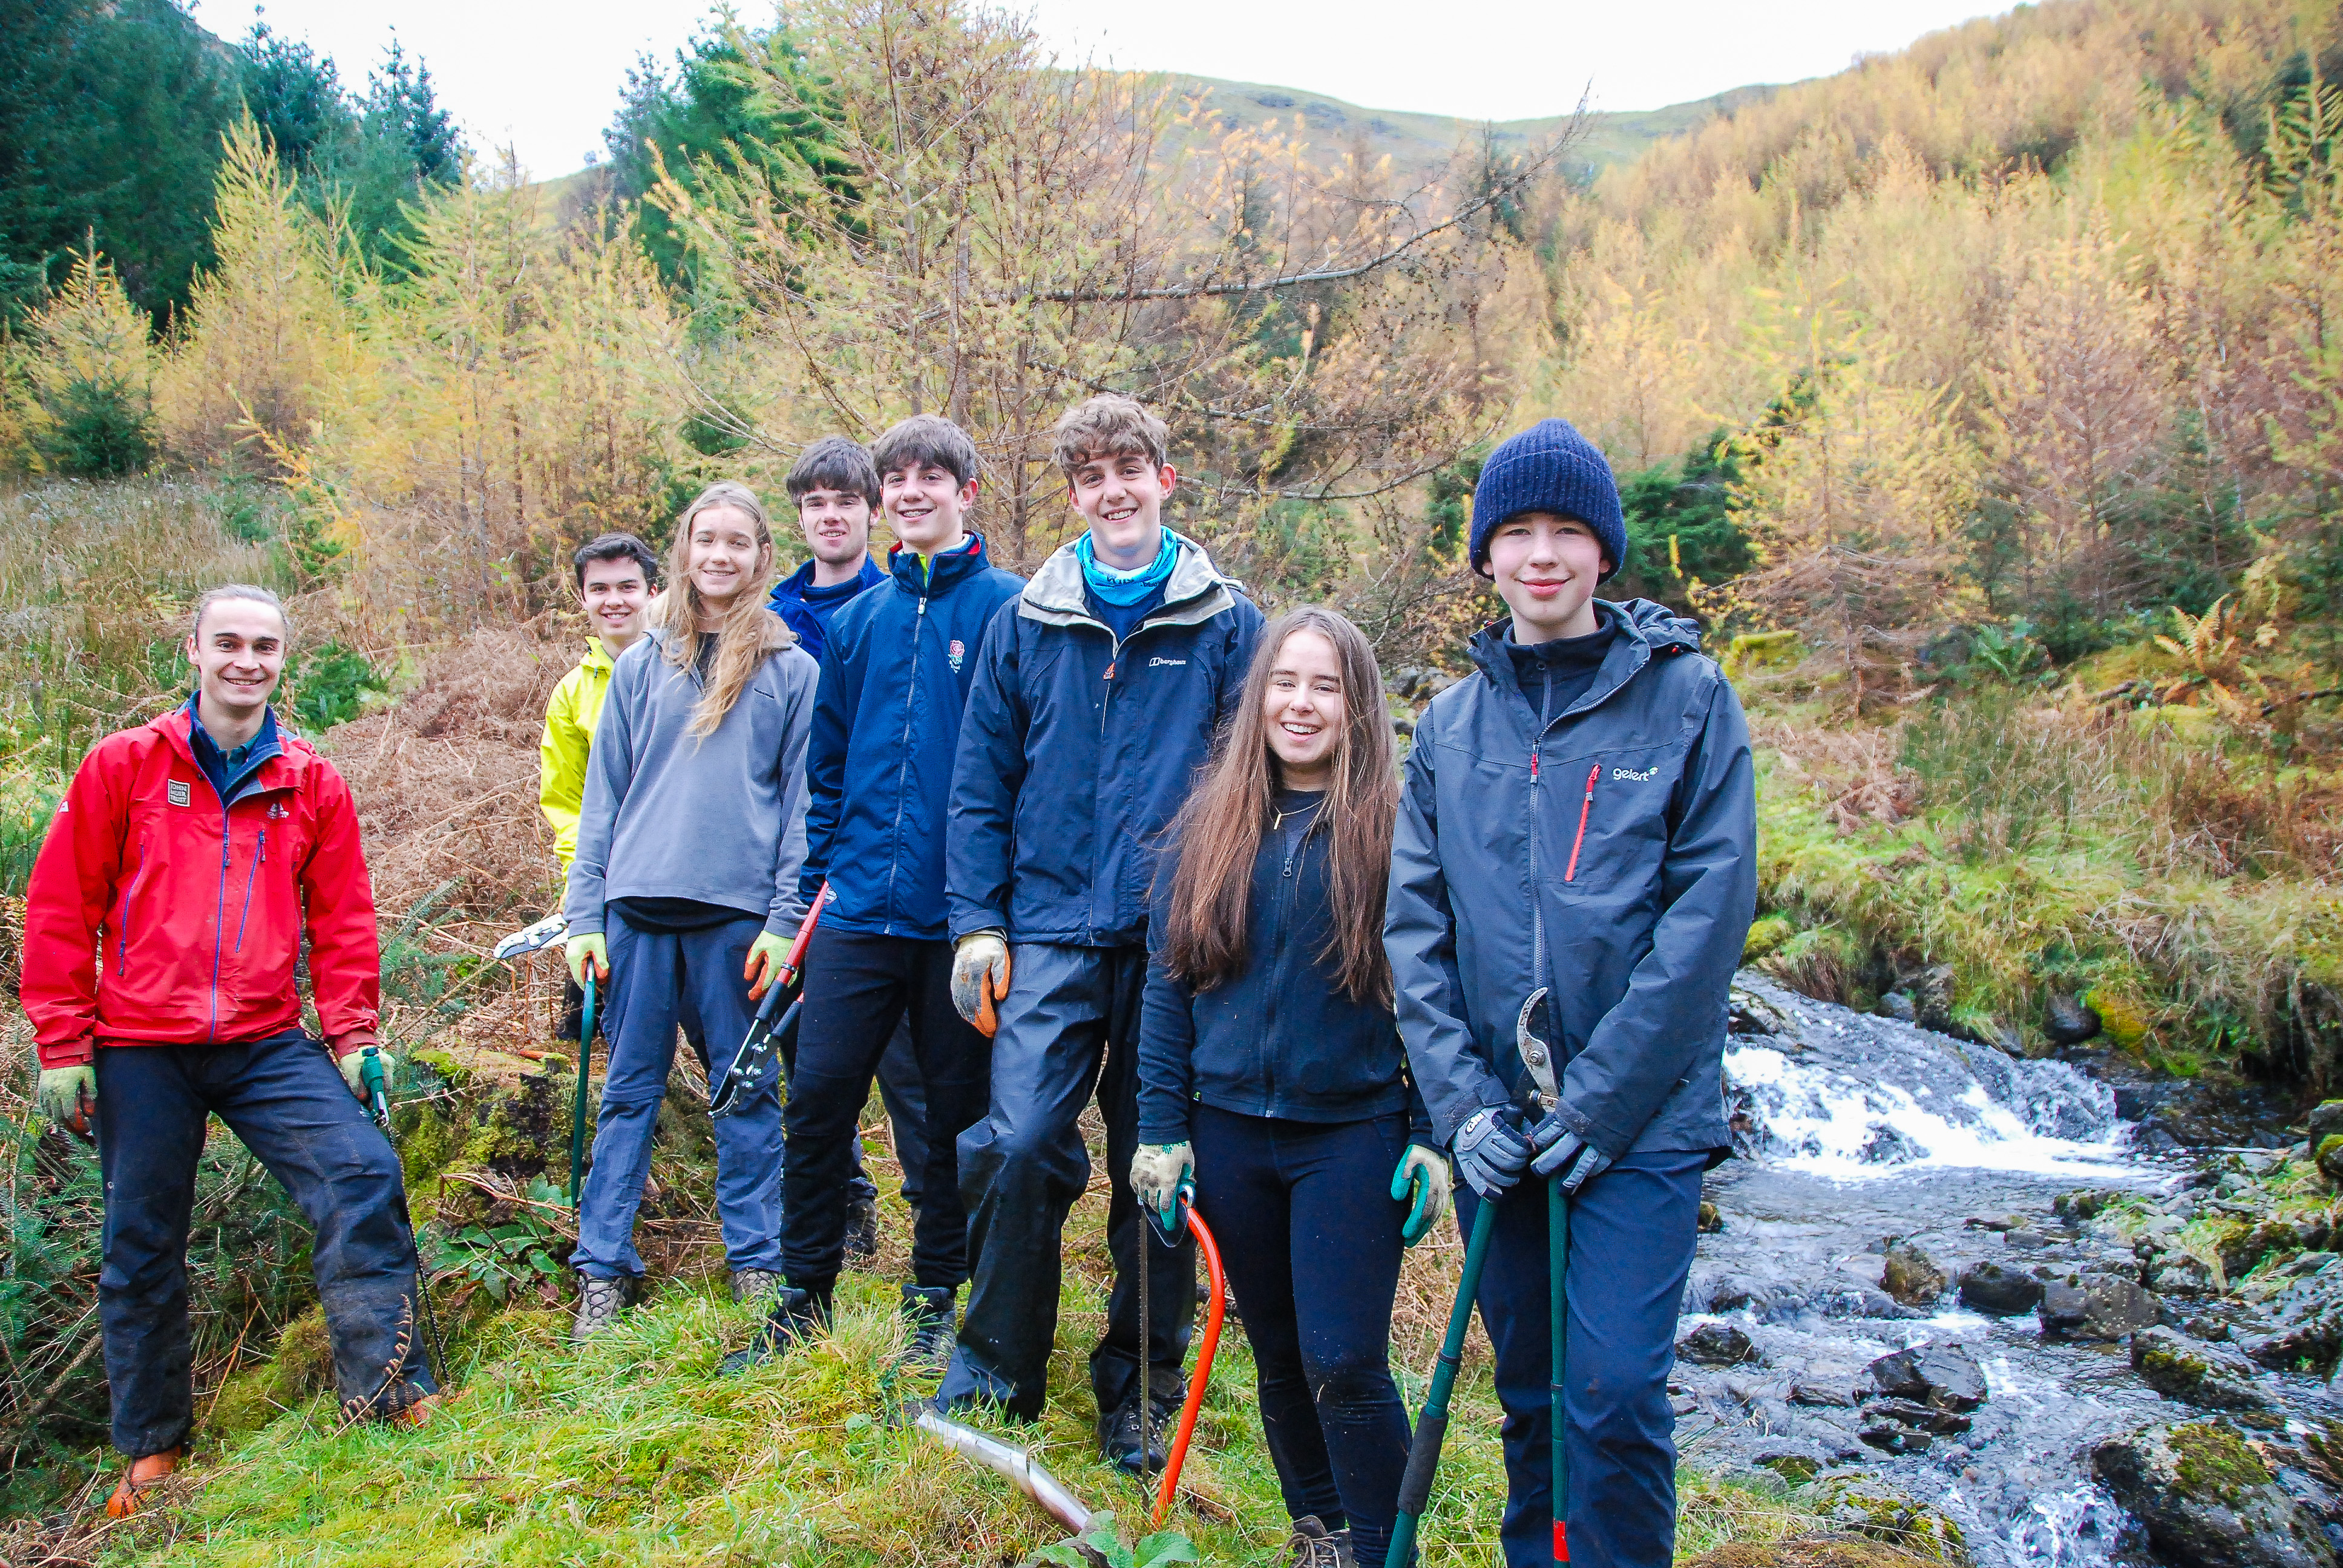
(894,677)
(1099,693)
(1575,860)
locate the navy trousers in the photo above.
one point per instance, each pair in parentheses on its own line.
(1070,1026)
(1632,1232)
(655,977)
(1310,1237)
(857,989)
(286,1099)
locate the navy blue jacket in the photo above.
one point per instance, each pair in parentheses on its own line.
(1607,853)
(1281,1037)
(812,622)
(878,764)
(1077,751)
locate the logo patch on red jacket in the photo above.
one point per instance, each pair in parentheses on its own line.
(178,793)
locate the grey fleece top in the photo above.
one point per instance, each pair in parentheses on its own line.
(670,815)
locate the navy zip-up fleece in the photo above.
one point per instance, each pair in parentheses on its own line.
(1077,750)
(1608,854)
(1283,1038)
(894,683)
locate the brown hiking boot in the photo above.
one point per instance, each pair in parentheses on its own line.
(143,1474)
(755,1284)
(599,1302)
(1315,1546)
(422,1412)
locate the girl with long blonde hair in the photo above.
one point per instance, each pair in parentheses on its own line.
(684,896)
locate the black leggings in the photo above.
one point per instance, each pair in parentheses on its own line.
(1310,1237)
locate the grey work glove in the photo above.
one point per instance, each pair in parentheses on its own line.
(68,1094)
(1158,1173)
(980,979)
(1560,1149)
(1490,1152)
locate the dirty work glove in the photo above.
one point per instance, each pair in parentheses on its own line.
(353,1065)
(980,979)
(1421,1181)
(1562,1150)
(767,955)
(67,1093)
(580,948)
(1490,1152)
(1158,1172)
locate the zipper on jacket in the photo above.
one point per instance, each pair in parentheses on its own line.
(219,918)
(1584,806)
(903,769)
(122,927)
(260,853)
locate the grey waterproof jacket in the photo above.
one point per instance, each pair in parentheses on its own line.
(1607,853)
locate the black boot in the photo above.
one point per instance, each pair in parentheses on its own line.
(932,1315)
(796,1315)
(1117,1432)
(861,1225)
(1314,1546)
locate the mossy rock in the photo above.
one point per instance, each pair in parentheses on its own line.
(2330,1158)
(1765,935)
(1875,1513)
(2216,1465)
(1831,1551)
(2122,1020)
(302,1368)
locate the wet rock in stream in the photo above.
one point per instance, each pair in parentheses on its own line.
(2208,1499)
(2083,1295)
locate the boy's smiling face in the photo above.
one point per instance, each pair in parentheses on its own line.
(1546,567)
(1121,495)
(837,526)
(926,506)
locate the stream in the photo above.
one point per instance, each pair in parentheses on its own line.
(1856,1131)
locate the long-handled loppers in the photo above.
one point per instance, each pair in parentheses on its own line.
(746,1071)
(1537,1056)
(577,1111)
(378,1106)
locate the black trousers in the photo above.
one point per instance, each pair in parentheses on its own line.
(286,1099)
(1310,1237)
(1069,1027)
(856,987)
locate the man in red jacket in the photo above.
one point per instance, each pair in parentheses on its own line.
(161,931)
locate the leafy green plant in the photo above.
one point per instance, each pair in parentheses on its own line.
(497,1258)
(2009,651)
(1101,1547)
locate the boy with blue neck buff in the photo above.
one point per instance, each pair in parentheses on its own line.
(1573,875)
(1099,690)
(879,769)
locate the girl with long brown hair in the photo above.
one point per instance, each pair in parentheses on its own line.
(684,891)
(1271,1072)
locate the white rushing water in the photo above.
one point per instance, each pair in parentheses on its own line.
(1851,1097)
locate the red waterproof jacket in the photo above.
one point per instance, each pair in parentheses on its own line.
(158,916)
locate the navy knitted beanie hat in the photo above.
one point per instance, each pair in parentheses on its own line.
(1549,467)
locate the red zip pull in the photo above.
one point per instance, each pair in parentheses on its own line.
(1584,807)
(1534,764)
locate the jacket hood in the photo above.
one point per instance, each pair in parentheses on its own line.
(597,657)
(1195,591)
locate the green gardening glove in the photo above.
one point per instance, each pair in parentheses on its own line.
(1423,1182)
(68,1095)
(583,950)
(768,961)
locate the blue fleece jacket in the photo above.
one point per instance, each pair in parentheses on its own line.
(879,765)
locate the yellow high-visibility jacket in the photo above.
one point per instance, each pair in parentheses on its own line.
(569,719)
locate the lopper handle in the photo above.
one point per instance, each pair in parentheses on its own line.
(1432,1427)
(793,965)
(378,1097)
(1178,1457)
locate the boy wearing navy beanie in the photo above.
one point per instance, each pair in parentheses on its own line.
(1597,744)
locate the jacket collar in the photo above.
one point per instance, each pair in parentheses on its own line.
(1195,593)
(795,584)
(943,573)
(1644,629)
(598,657)
(279,771)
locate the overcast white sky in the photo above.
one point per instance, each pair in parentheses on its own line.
(545,76)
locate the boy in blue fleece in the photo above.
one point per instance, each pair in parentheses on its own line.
(879,769)
(1099,693)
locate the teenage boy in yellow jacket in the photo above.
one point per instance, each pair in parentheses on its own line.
(616,575)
